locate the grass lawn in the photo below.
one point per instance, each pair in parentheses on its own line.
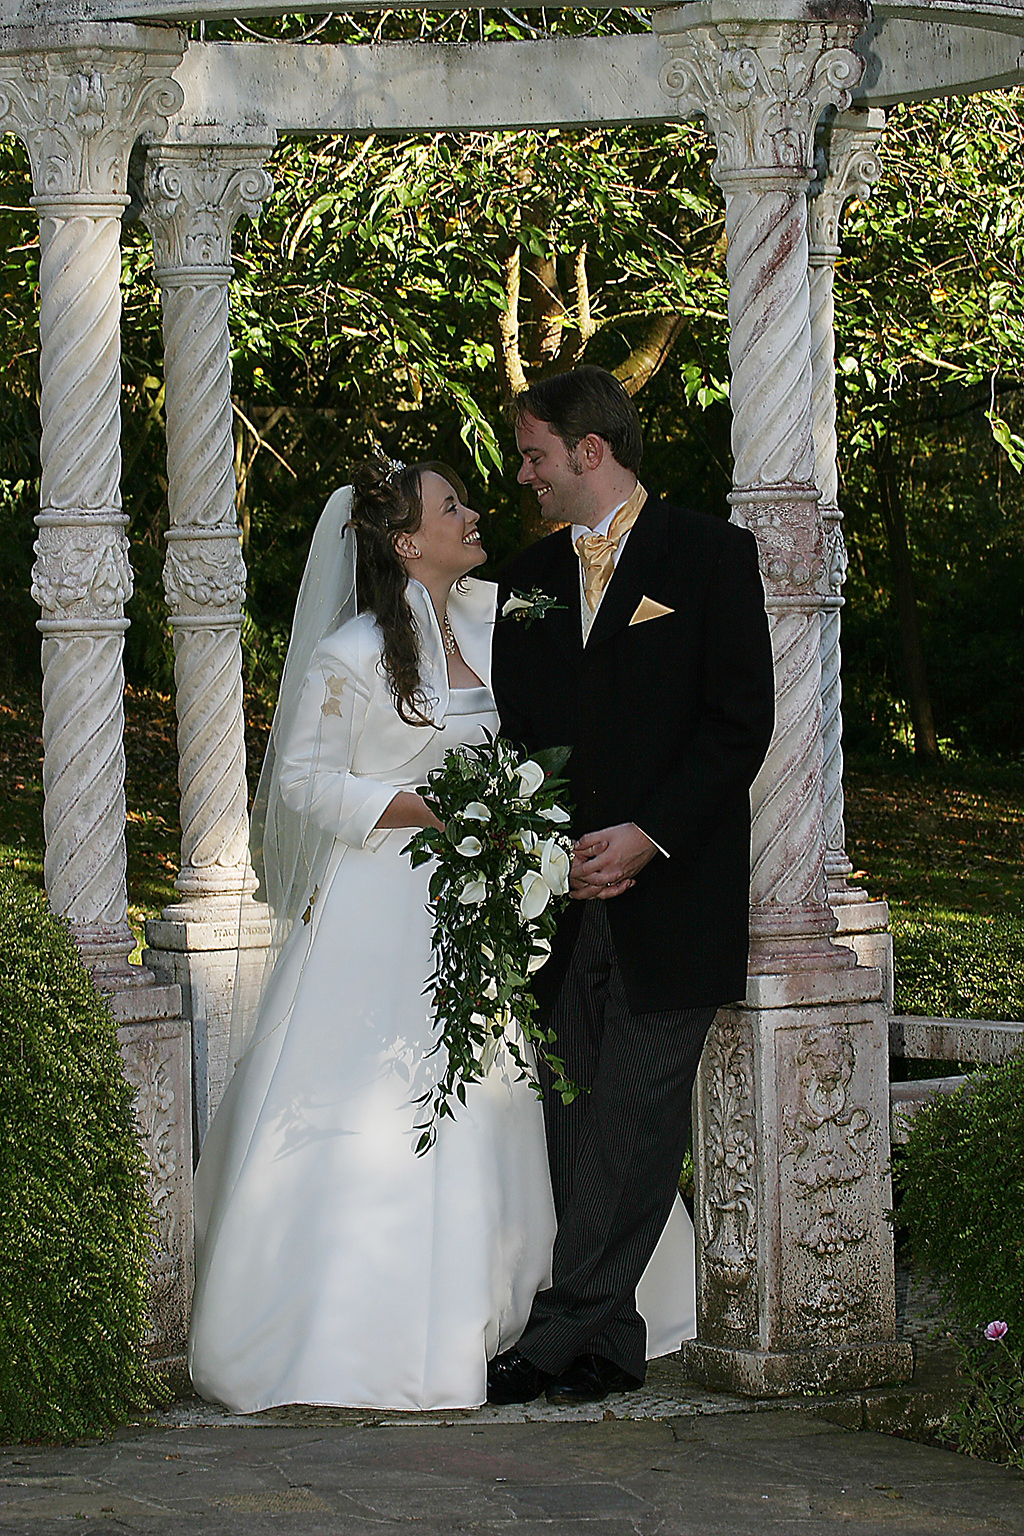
(945,847)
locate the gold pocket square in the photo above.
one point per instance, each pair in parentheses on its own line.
(646,609)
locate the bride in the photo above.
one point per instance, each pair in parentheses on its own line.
(333,1265)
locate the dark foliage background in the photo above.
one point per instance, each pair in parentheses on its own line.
(392,292)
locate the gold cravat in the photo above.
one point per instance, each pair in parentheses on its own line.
(597,550)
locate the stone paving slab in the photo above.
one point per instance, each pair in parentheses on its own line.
(776,1469)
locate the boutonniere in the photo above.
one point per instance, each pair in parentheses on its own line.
(527,606)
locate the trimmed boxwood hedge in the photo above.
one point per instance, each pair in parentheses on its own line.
(960,1183)
(75,1219)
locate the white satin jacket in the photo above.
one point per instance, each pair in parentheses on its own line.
(343,762)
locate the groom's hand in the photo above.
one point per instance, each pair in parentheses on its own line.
(604,864)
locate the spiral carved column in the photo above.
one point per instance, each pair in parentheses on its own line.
(762,88)
(79,108)
(795,1275)
(847,165)
(193,198)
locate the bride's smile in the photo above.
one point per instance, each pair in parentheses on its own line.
(447,540)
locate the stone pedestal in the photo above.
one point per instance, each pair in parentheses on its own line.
(155,1046)
(201,958)
(796,1290)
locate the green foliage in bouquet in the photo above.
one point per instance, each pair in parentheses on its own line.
(75,1224)
(960,1207)
(501,876)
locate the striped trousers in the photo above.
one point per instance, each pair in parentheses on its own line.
(615,1155)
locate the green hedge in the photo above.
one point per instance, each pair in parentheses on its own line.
(960,1187)
(75,1221)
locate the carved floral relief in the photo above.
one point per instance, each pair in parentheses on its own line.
(194,199)
(151,1067)
(827,1149)
(209,573)
(761,88)
(82,572)
(728,1190)
(789,538)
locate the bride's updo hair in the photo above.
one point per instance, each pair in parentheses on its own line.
(386,502)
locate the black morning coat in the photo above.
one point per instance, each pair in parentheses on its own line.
(669,721)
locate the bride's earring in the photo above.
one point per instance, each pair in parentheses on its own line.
(405,549)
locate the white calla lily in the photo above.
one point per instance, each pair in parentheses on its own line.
(531,777)
(491,990)
(527,840)
(541,955)
(515,605)
(554,866)
(556,814)
(473,892)
(535,893)
(487,951)
(469,847)
(477,811)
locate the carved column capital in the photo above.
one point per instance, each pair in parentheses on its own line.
(79,108)
(761,85)
(847,165)
(194,197)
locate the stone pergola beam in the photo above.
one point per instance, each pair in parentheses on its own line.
(421,87)
(428,88)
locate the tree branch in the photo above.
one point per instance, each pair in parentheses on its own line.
(647,357)
(508,327)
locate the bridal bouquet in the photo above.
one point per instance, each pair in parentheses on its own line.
(502,875)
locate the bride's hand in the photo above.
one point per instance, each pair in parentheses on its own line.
(408,809)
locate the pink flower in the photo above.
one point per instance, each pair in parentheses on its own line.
(996,1331)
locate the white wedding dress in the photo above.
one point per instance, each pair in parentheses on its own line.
(333,1265)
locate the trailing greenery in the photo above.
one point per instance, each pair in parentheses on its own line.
(75,1222)
(959,1185)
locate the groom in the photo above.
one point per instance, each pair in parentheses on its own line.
(657,669)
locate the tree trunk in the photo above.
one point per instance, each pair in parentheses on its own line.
(915,674)
(648,355)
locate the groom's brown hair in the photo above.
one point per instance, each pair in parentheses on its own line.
(582,401)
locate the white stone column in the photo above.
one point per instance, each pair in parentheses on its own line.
(795,1270)
(847,165)
(194,196)
(78,110)
(79,96)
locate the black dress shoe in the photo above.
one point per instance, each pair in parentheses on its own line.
(511,1378)
(590,1379)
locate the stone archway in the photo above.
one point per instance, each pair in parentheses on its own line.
(795,1256)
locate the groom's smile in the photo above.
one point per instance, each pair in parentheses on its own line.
(552,472)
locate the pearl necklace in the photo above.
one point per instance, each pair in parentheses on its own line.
(448,640)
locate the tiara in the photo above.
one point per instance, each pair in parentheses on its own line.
(394,467)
